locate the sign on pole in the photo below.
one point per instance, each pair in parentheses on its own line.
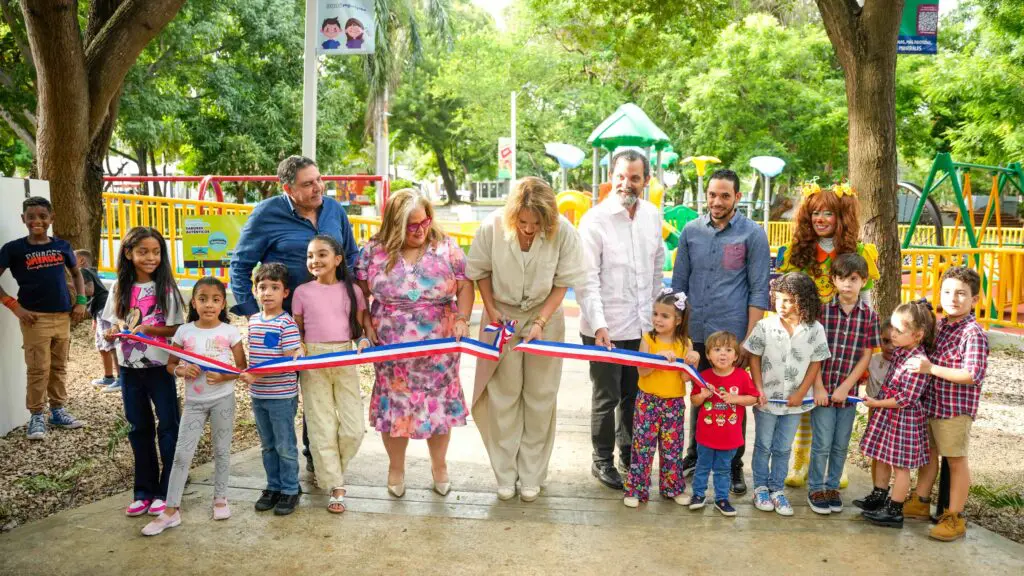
(919,28)
(209,240)
(346,27)
(506,155)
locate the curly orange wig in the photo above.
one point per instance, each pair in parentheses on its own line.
(804,249)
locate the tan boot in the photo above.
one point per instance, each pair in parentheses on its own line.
(951,526)
(915,508)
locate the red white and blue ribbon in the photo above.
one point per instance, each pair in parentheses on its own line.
(505,331)
(613,356)
(806,401)
(385,353)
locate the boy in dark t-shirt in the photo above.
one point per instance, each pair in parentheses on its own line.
(45,312)
(97,293)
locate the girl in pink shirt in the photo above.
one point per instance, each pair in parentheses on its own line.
(331,314)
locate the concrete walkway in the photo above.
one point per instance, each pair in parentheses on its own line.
(576,526)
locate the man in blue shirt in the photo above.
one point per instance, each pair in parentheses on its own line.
(279,229)
(722,265)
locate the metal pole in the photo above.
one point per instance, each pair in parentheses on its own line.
(596,181)
(700,191)
(512,171)
(309,83)
(767,200)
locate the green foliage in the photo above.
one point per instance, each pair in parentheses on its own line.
(61,482)
(1001,497)
(117,434)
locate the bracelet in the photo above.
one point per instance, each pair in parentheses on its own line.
(11,303)
(81,299)
(175,371)
(461,318)
(541,321)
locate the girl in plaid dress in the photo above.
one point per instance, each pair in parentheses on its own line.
(897,434)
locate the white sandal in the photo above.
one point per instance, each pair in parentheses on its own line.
(336,501)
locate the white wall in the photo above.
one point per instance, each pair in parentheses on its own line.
(12,360)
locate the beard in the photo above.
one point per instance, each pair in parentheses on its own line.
(627,198)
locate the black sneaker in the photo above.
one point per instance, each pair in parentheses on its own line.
(607,474)
(267,500)
(890,515)
(835,501)
(725,508)
(872,501)
(689,465)
(819,502)
(739,487)
(697,502)
(286,505)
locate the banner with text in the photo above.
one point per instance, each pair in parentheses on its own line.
(209,240)
(346,27)
(919,28)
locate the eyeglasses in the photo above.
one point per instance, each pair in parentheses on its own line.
(422,225)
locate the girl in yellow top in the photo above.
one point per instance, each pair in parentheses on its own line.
(826,224)
(660,404)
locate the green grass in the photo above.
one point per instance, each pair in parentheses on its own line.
(62,482)
(118,433)
(1001,497)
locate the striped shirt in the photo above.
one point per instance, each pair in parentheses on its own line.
(272,338)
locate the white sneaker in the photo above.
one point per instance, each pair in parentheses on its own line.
(157,507)
(763,500)
(506,492)
(101,382)
(631,502)
(529,493)
(682,500)
(782,507)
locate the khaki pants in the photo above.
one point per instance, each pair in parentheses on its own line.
(334,416)
(515,410)
(46,346)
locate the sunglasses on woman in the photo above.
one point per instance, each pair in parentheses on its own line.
(422,225)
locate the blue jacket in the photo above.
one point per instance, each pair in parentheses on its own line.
(274,232)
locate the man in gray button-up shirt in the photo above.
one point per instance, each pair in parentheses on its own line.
(722,265)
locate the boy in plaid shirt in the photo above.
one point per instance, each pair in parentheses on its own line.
(958,365)
(851,327)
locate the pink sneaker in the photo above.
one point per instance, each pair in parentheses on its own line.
(161,523)
(157,507)
(221,512)
(137,508)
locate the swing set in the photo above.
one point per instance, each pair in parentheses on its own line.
(959,176)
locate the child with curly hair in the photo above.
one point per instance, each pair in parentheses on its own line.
(827,224)
(786,354)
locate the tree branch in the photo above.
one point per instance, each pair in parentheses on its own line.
(114,49)
(19,130)
(8,12)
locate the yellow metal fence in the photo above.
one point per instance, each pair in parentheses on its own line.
(1002,268)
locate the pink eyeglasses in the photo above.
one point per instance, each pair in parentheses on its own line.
(422,225)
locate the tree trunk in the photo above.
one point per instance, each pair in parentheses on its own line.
(154,172)
(865,43)
(93,191)
(78,81)
(446,176)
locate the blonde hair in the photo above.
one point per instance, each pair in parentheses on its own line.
(396,217)
(532,193)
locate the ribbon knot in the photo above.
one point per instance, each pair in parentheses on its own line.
(505,330)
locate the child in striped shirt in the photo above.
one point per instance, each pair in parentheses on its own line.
(275,397)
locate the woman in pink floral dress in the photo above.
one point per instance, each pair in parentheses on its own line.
(417,278)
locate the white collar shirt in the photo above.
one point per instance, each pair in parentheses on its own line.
(623,260)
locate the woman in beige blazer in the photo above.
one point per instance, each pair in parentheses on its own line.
(523,259)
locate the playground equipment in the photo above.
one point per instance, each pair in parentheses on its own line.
(701,164)
(627,126)
(959,176)
(768,167)
(567,156)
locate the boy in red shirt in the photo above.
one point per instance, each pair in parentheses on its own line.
(719,423)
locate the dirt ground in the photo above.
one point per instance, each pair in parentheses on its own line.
(75,467)
(997,448)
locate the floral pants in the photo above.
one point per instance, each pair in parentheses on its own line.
(657,425)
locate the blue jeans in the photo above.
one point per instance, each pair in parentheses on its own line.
(275,422)
(718,461)
(773,442)
(142,391)
(831,429)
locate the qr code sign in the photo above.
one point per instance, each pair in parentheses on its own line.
(928,20)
